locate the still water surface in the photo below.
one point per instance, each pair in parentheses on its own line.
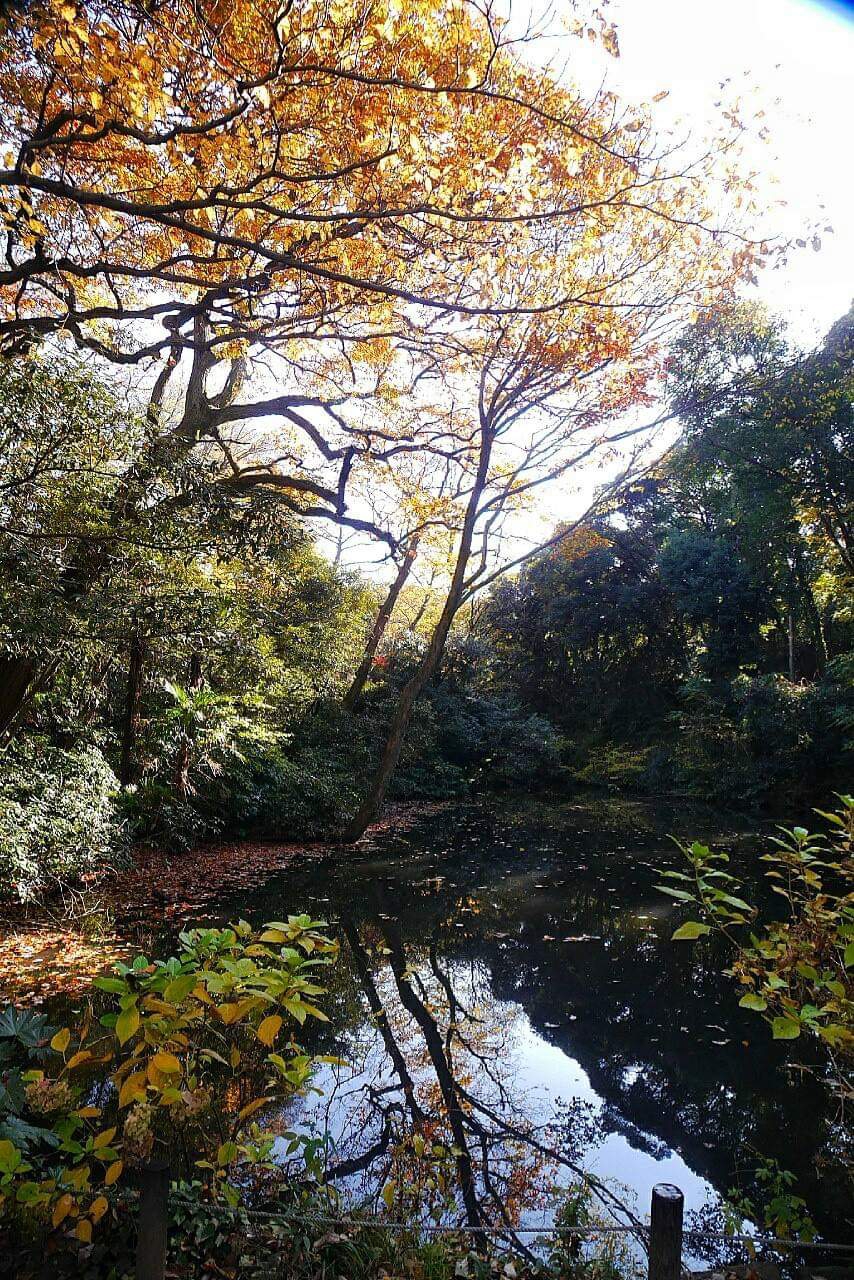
(513,960)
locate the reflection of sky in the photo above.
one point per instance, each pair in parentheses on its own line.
(615,1160)
(541,1077)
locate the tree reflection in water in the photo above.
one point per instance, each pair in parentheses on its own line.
(463,971)
(431,1102)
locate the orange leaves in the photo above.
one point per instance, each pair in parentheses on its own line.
(133,1088)
(269,1029)
(61,1209)
(38,960)
(98,1208)
(341,117)
(335,179)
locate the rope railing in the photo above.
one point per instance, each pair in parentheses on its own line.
(665,1238)
(588,1232)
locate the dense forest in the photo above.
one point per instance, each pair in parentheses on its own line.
(219,674)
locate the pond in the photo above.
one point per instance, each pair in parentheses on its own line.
(508,964)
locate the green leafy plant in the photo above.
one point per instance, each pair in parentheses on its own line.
(774,1207)
(796,968)
(574,1254)
(58,818)
(183,1047)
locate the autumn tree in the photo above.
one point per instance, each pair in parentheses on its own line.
(191,189)
(551,389)
(247,202)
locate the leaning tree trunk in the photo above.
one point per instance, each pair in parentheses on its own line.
(354,693)
(412,689)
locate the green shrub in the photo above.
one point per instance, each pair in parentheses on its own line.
(274,793)
(761,739)
(58,817)
(494,738)
(156,815)
(609,764)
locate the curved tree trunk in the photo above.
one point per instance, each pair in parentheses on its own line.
(354,693)
(427,668)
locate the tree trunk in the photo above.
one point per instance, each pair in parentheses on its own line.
(128,769)
(16,676)
(811,610)
(182,761)
(448,1086)
(354,693)
(403,711)
(380,1017)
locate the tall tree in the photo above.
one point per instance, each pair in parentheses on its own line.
(767,464)
(537,397)
(211,191)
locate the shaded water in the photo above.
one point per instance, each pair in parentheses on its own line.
(510,963)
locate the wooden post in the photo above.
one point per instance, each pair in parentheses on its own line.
(153,1220)
(665,1232)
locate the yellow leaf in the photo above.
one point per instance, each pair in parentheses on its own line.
(98,1208)
(83,1230)
(61,1209)
(153,1004)
(113,1173)
(166,1063)
(133,1088)
(269,1029)
(104,1139)
(79,1176)
(61,1040)
(251,1108)
(388,1194)
(127,1023)
(235,1056)
(82,1055)
(273,935)
(88,1113)
(232,1012)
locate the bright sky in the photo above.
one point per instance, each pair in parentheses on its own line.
(795,60)
(798,58)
